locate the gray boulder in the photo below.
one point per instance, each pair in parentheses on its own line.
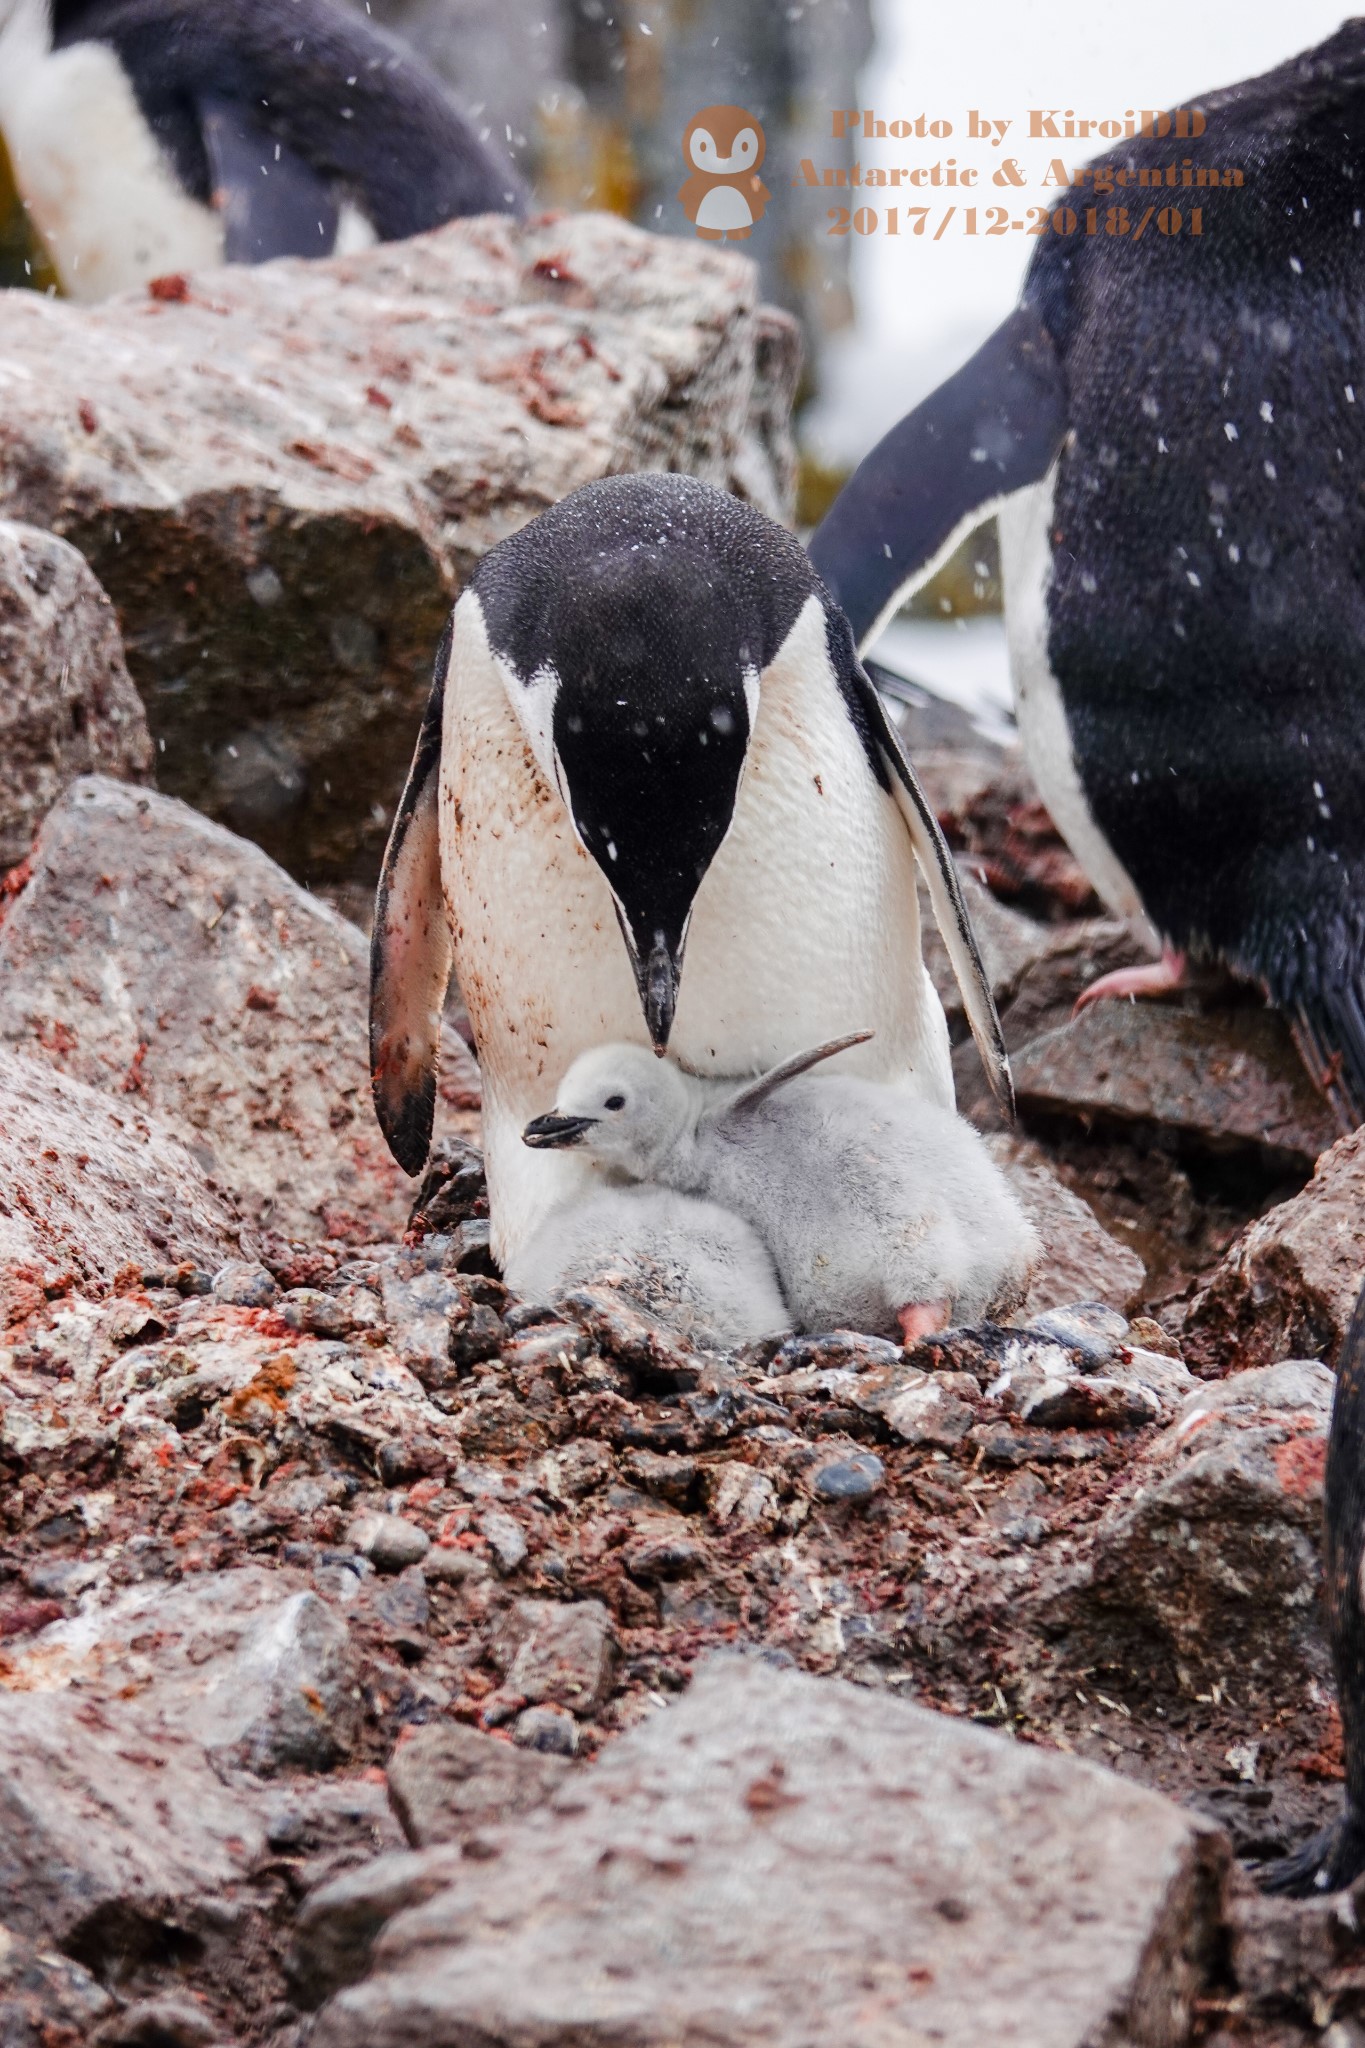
(158,958)
(282,475)
(784,1859)
(67,706)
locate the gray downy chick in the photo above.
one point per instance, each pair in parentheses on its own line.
(701,1271)
(883,1212)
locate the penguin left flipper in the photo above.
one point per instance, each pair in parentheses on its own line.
(945,894)
(988,431)
(411,953)
(1335,1857)
(272,202)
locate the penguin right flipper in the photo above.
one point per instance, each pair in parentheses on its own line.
(983,434)
(410,952)
(1336,1857)
(272,203)
(945,894)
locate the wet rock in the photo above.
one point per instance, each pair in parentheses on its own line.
(156,957)
(338,1922)
(1080,1260)
(1220,1080)
(1213,1556)
(1289,1283)
(854,1478)
(453,1188)
(920,1408)
(557,1652)
(69,707)
(448,1782)
(389,1541)
(89,1185)
(862,1848)
(1089,1328)
(298,463)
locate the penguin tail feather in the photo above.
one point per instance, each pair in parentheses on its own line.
(1327,1862)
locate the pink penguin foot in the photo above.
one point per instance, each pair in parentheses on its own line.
(920,1319)
(1154,978)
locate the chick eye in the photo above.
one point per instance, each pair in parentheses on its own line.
(614,1102)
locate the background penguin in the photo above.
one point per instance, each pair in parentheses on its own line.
(882,1214)
(1174,429)
(649,733)
(688,1264)
(150,136)
(1336,1857)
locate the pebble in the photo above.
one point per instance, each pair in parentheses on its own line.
(390,1542)
(551,1730)
(855,1478)
(505,1539)
(242,1284)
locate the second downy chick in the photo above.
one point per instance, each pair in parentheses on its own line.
(883,1213)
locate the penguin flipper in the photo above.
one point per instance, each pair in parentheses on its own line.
(272,202)
(945,895)
(986,432)
(410,952)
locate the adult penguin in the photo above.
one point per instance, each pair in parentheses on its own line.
(1336,1856)
(152,136)
(650,740)
(1171,426)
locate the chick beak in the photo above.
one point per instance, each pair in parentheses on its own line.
(551,1133)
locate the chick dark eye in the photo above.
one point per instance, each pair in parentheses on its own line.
(614,1102)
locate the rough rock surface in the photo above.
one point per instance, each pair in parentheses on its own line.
(1228,1080)
(1289,1283)
(1212,1558)
(282,474)
(1080,1260)
(774,1855)
(159,958)
(68,706)
(89,1184)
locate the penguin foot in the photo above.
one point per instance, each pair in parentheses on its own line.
(921,1318)
(740,234)
(1154,978)
(1327,1862)
(711,234)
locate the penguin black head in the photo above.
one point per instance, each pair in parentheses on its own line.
(631,625)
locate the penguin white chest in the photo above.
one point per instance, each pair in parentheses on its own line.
(88,167)
(805,926)
(724,207)
(1025,526)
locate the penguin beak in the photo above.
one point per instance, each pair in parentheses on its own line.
(550,1133)
(658,971)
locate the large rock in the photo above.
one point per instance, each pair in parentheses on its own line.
(67,706)
(159,958)
(1226,1081)
(783,1859)
(89,1184)
(1211,1562)
(1289,1283)
(282,474)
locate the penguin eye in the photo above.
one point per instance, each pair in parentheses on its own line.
(614,1102)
